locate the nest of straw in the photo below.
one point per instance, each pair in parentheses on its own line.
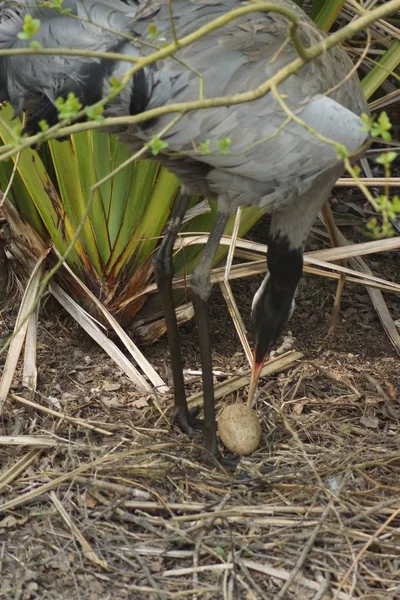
(93,504)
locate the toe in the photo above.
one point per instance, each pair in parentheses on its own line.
(187,421)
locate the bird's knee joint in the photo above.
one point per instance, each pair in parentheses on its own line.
(200,286)
(163,266)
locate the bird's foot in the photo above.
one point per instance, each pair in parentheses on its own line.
(228,463)
(187,420)
(214,457)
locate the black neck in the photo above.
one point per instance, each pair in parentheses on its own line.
(273,306)
(285,263)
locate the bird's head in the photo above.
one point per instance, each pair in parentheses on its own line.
(272,308)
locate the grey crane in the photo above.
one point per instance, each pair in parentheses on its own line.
(275,163)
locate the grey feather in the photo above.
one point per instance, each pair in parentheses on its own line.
(267,164)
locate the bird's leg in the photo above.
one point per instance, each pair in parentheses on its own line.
(164,272)
(201,289)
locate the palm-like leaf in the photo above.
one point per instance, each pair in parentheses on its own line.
(128,213)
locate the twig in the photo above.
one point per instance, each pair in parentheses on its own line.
(149,576)
(250,594)
(30,440)
(2,552)
(59,415)
(113,487)
(202,569)
(141,589)
(88,550)
(7,477)
(335,242)
(196,564)
(322,591)
(249,577)
(304,553)
(371,510)
(365,548)
(267,569)
(39,491)
(235,383)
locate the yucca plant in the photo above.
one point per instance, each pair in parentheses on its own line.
(113,254)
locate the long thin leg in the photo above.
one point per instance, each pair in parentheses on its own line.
(164,272)
(201,289)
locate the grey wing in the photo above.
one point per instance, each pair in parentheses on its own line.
(265,146)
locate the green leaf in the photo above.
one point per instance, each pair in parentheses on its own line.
(341,152)
(95,112)
(41,193)
(58,4)
(129,213)
(396,204)
(146,236)
(156,144)
(132,189)
(115,85)
(386,158)
(29,28)
(325,12)
(68,108)
(224,145)
(385,67)
(74,199)
(43,125)
(219,550)
(204,148)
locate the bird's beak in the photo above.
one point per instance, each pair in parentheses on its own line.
(255,374)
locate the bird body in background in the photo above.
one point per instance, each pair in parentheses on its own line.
(274,162)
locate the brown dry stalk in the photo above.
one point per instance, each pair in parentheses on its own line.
(365,548)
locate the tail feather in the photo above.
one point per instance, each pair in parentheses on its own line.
(88,91)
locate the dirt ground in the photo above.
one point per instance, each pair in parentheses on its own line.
(129,510)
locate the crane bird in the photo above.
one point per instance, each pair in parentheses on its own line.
(276,160)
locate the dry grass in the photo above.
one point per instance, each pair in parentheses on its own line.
(130,507)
